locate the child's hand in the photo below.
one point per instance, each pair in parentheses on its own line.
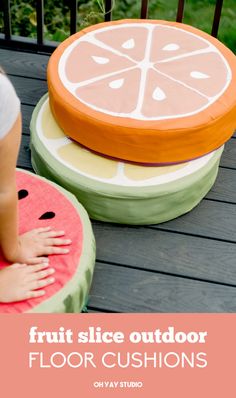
(39,242)
(20,281)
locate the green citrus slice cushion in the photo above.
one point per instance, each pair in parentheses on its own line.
(112,190)
(43,203)
(153,92)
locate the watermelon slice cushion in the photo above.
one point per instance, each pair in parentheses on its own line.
(41,204)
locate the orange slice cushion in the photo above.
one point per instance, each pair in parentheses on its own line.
(144,91)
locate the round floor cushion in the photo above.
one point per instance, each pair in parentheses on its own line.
(116,191)
(144,91)
(43,203)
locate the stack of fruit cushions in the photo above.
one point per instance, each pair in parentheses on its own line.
(43,203)
(136,118)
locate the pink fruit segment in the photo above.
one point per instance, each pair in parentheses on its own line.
(130,41)
(116,94)
(164,97)
(88,61)
(167,43)
(204,72)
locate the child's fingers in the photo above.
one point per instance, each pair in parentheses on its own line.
(36,268)
(38,260)
(33,294)
(38,284)
(17,266)
(52,234)
(42,274)
(56,250)
(57,242)
(42,230)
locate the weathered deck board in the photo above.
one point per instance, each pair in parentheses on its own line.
(225,186)
(165,252)
(24,155)
(24,64)
(27,111)
(130,290)
(186,265)
(209,219)
(229,155)
(29,90)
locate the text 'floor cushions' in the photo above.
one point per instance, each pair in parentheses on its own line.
(43,203)
(144,91)
(112,190)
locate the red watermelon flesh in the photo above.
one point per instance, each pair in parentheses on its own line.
(42,205)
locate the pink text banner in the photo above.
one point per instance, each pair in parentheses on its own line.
(118,355)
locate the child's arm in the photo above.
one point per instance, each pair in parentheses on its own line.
(39,242)
(9,147)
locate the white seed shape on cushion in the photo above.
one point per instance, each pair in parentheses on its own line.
(116,83)
(171,47)
(198,75)
(100,60)
(158,94)
(129,44)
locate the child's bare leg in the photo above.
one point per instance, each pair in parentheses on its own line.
(20,281)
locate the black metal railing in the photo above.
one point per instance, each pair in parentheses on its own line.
(40,44)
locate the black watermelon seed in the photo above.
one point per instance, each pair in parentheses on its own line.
(47,216)
(22,194)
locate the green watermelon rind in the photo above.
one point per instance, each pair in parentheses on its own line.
(72,297)
(125,205)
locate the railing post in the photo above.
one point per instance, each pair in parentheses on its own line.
(7,19)
(217,15)
(144,9)
(180,11)
(73,16)
(108,10)
(40,20)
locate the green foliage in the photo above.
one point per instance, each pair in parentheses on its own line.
(198,13)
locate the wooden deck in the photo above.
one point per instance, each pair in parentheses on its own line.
(186,265)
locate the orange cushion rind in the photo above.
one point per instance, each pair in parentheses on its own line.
(144,91)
